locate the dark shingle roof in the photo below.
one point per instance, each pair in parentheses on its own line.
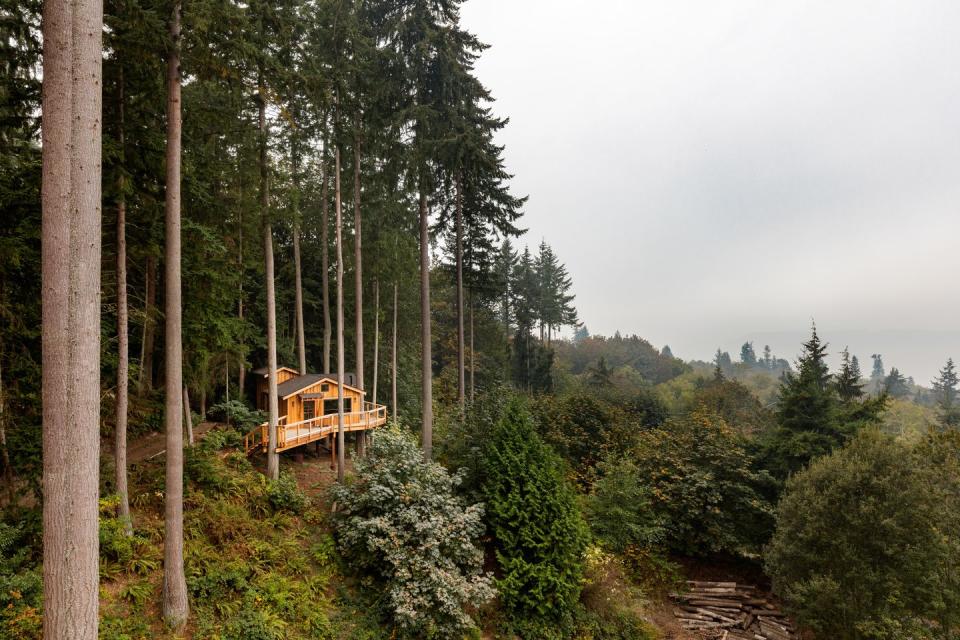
(263,371)
(294,385)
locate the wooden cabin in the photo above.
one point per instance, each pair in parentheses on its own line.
(307,408)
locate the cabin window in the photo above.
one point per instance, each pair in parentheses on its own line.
(330,406)
(309,409)
(324,388)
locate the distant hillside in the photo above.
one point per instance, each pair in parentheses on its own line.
(619,351)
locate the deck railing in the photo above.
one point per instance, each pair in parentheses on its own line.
(295,434)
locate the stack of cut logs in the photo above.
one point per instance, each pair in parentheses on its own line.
(728,611)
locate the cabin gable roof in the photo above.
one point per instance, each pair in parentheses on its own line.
(265,371)
(295,385)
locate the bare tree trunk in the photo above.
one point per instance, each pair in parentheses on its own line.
(358,262)
(242,373)
(325,260)
(123,346)
(71,315)
(358,278)
(376,336)
(4,452)
(187,416)
(473,356)
(203,404)
(461,381)
(298,280)
(340,367)
(393,366)
(145,379)
(273,458)
(425,336)
(298,301)
(176,607)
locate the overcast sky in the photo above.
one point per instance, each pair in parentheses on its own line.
(719,170)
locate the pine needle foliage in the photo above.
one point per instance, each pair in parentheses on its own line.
(539,533)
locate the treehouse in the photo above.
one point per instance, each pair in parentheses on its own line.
(307,409)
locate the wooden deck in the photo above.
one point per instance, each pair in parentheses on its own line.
(306,431)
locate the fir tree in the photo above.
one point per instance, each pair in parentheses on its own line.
(849,387)
(945,393)
(747,355)
(539,534)
(879,373)
(895,384)
(807,412)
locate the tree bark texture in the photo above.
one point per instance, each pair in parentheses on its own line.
(340,368)
(71,253)
(176,607)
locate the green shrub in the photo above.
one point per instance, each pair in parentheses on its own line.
(620,508)
(400,523)
(866,543)
(613,606)
(237,414)
(539,534)
(21,585)
(255,625)
(702,483)
(285,495)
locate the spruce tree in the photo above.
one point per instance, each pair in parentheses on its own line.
(945,393)
(539,534)
(849,387)
(747,355)
(807,412)
(895,384)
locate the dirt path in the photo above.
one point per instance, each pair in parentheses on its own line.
(155,444)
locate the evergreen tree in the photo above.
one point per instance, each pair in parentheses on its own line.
(767,357)
(601,375)
(895,384)
(807,413)
(539,534)
(666,352)
(849,387)
(945,393)
(747,355)
(879,373)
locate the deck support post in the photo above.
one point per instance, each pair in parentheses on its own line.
(333,452)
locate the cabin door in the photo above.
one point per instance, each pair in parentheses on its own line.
(309,409)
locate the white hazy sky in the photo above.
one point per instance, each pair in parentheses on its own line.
(713,171)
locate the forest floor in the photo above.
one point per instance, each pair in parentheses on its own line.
(311,466)
(154,444)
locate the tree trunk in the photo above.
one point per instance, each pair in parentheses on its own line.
(473,357)
(70,302)
(325,259)
(273,458)
(4,452)
(298,280)
(242,373)
(340,368)
(298,302)
(425,336)
(123,346)
(376,337)
(176,607)
(358,278)
(393,364)
(203,404)
(187,416)
(461,380)
(145,379)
